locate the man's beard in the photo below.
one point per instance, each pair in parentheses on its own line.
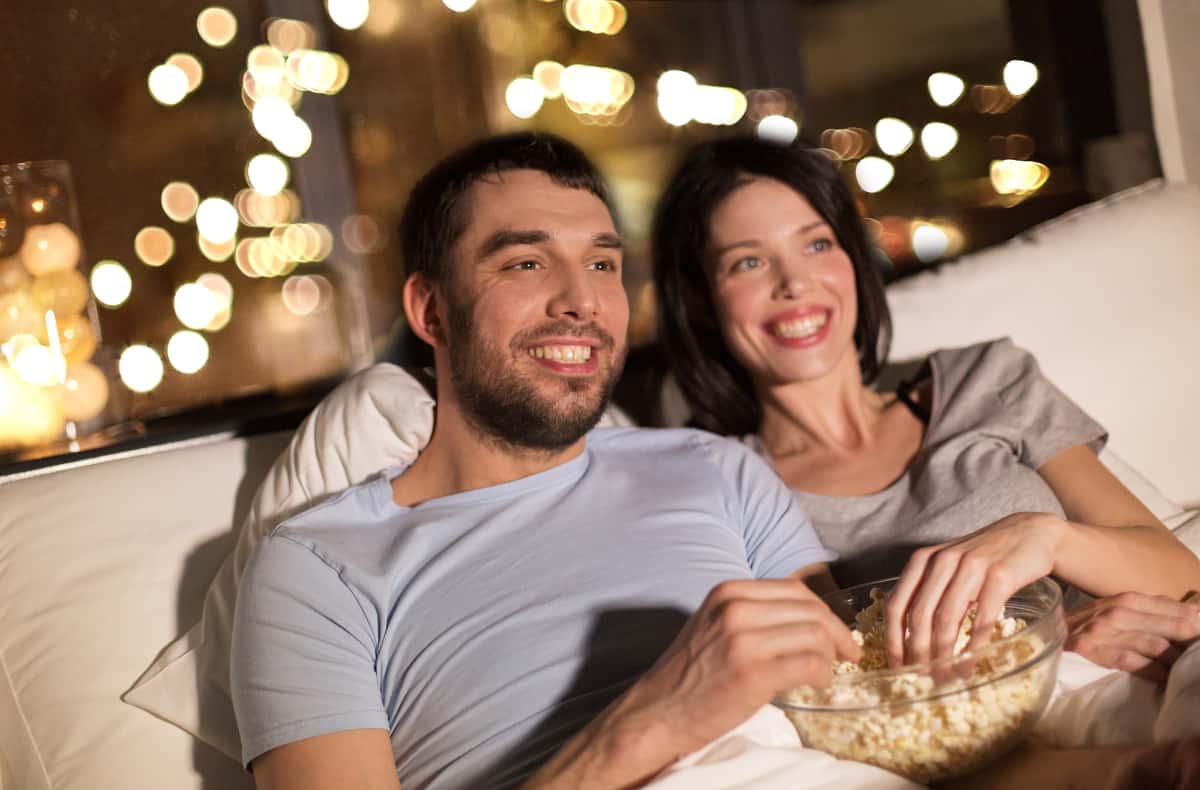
(506,407)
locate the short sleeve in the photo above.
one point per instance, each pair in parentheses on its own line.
(778,535)
(303,652)
(1046,420)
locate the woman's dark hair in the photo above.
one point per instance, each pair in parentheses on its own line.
(437,212)
(718,389)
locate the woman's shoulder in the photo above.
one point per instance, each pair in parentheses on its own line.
(996,363)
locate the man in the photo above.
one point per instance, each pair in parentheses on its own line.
(528,601)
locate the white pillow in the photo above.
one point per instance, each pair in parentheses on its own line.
(1106,298)
(380,417)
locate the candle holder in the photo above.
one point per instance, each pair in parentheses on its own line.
(51,389)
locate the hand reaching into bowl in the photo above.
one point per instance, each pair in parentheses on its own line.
(940,584)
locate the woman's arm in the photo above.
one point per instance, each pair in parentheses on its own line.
(1111,542)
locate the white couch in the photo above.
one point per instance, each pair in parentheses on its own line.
(102,564)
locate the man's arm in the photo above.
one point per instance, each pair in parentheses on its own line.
(817,577)
(749,640)
(348,760)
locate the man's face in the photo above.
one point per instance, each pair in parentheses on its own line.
(536,311)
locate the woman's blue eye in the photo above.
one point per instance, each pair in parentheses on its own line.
(745,264)
(821,245)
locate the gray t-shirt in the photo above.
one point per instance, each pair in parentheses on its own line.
(994,420)
(485,628)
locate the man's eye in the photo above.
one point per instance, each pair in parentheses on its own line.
(524,266)
(604,266)
(745,264)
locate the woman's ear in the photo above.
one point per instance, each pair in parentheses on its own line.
(421,306)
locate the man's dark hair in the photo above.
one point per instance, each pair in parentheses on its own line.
(438,212)
(719,391)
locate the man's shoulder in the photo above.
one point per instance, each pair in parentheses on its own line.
(654,444)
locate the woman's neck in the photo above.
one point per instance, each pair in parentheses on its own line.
(835,413)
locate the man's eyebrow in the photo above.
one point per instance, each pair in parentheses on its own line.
(751,242)
(608,240)
(510,238)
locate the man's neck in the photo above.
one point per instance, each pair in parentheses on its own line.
(460,458)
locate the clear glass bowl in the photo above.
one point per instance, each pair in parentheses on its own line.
(937,720)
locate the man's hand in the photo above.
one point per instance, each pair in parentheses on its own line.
(748,641)
(1137,633)
(939,584)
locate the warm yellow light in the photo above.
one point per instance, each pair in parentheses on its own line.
(595,16)
(191,68)
(778,129)
(893,135)
(265,211)
(1018,177)
(76,339)
(154,245)
(718,106)
(140,368)
(361,234)
(111,283)
(316,71)
(675,96)
(938,139)
(179,201)
(20,313)
(187,351)
(548,74)
(35,364)
(945,88)
(168,84)
(64,291)
(217,220)
(459,6)
(874,173)
(216,25)
(294,139)
(524,97)
(301,295)
(385,17)
(619,18)
(49,248)
(348,14)
(222,292)
(265,64)
(84,391)
(216,251)
(289,35)
(267,173)
(195,305)
(1020,76)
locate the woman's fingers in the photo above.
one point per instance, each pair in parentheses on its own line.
(994,594)
(939,572)
(960,593)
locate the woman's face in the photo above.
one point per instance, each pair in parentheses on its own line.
(782,286)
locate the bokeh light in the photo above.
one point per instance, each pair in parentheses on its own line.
(111,283)
(267,173)
(222,292)
(179,201)
(154,245)
(49,248)
(64,291)
(874,173)
(191,68)
(216,25)
(945,88)
(187,351)
(168,84)
(305,294)
(524,97)
(1018,177)
(778,129)
(675,89)
(76,339)
(459,6)
(195,305)
(289,35)
(216,251)
(893,136)
(348,14)
(548,74)
(1020,76)
(929,242)
(217,220)
(34,363)
(140,368)
(84,391)
(316,71)
(938,139)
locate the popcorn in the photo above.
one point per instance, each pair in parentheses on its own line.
(914,725)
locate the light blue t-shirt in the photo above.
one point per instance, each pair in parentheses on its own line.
(483,629)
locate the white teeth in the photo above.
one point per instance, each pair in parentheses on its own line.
(570,355)
(801,327)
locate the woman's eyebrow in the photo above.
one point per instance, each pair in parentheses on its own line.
(751,242)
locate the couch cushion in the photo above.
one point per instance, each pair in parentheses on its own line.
(100,566)
(1107,297)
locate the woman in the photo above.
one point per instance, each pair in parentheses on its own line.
(973,478)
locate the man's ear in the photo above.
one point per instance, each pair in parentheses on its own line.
(421,306)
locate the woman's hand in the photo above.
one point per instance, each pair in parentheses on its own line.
(1143,634)
(939,584)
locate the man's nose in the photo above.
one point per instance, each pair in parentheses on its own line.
(575,296)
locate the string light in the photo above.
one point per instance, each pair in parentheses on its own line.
(945,88)
(524,97)
(874,173)
(938,139)
(778,129)
(111,283)
(168,84)
(140,368)
(187,351)
(216,25)
(893,136)
(1020,76)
